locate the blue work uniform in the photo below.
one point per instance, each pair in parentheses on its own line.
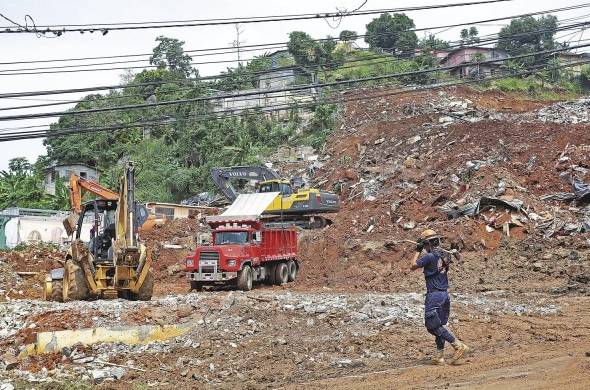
(437,304)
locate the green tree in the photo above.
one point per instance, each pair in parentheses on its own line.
(348,36)
(478,58)
(169,54)
(585,74)
(469,36)
(433,43)
(390,32)
(22,186)
(528,35)
(312,56)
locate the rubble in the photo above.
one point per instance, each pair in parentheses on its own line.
(473,165)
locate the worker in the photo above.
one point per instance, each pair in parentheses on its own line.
(437,304)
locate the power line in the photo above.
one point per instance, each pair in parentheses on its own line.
(270,91)
(58,133)
(106,27)
(260,46)
(363,62)
(190,81)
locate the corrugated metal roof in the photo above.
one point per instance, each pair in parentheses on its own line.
(250,204)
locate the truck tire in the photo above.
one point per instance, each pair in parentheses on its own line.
(270,278)
(281,274)
(245,278)
(146,290)
(292,267)
(197,286)
(56,293)
(74,285)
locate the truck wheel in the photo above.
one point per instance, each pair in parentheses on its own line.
(270,277)
(197,286)
(53,290)
(74,283)
(292,267)
(245,278)
(146,290)
(281,274)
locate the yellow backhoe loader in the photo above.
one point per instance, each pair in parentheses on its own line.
(114,263)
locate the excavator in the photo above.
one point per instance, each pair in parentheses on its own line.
(115,263)
(299,206)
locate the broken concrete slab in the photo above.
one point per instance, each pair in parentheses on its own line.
(48,342)
(10,361)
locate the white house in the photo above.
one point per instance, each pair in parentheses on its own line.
(65,171)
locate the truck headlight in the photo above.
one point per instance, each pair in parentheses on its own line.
(231,262)
(190,263)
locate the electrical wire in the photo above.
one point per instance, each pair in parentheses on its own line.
(106,27)
(270,45)
(289,89)
(59,133)
(364,62)
(215,77)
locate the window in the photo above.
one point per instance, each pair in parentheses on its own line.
(269,187)
(165,211)
(286,189)
(53,175)
(83,175)
(34,236)
(224,238)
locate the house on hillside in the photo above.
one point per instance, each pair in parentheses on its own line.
(461,61)
(568,58)
(282,73)
(279,77)
(64,171)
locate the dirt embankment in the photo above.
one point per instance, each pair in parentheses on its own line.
(396,161)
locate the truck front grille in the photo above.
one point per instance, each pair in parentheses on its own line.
(209,256)
(208,262)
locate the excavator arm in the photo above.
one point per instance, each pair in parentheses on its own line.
(222,176)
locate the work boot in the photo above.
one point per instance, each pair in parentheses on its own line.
(460,350)
(438,357)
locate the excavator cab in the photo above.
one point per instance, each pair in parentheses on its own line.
(282,186)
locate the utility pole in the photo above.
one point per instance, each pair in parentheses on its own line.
(236,43)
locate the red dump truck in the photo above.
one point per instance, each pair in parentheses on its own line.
(243,251)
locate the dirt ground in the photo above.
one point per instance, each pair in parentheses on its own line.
(353,318)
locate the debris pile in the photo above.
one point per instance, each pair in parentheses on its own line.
(22,270)
(566,112)
(476,167)
(233,336)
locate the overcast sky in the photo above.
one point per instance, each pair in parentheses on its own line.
(23,47)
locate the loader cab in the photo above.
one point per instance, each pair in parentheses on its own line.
(99,216)
(282,186)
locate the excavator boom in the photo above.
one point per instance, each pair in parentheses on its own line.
(222,176)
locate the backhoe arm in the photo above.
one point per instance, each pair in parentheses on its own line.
(79,184)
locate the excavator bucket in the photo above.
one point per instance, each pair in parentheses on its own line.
(70,223)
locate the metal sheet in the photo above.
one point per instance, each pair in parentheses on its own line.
(250,204)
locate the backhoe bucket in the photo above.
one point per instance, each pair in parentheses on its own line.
(70,223)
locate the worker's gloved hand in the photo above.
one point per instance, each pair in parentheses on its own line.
(419,246)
